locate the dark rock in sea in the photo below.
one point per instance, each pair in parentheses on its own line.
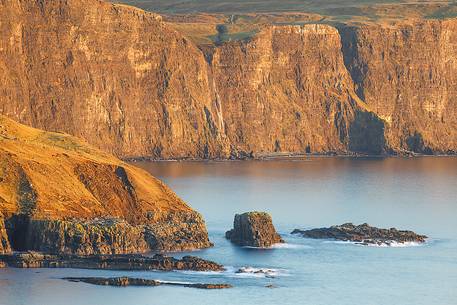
(271,286)
(109,262)
(253,229)
(363,234)
(129,281)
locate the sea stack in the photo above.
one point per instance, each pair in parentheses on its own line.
(253,229)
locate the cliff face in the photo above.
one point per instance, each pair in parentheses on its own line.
(407,74)
(126,82)
(114,75)
(286,90)
(60,195)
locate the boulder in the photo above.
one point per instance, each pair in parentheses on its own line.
(254,229)
(363,234)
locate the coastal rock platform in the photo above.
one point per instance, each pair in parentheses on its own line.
(109,262)
(128,281)
(363,234)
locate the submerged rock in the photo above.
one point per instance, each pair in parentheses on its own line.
(254,229)
(109,262)
(363,234)
(129,281)
(271,286)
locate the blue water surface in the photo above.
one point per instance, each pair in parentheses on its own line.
(418,194)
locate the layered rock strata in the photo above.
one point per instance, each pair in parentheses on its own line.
(406,73)
(128,83)
(363,234)
(114,75)
(60,195)
(253,229)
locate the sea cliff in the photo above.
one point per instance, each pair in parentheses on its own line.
(128,83)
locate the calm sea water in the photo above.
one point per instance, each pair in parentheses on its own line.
(418,194)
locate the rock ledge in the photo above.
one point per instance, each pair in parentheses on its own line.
(363,234)
(128,281)
(109,262)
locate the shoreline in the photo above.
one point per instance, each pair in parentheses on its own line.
(289,156)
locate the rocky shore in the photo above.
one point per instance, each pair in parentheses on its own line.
(128,281)
(108,262)
(178,232)
(363,234)
(253,229)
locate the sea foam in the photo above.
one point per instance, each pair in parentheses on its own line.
(390,244)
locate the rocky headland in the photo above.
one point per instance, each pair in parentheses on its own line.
(253,229)
(128,281)
(116,76)
(363,234)
(59,195)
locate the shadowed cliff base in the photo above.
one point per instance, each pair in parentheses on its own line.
(366,134)
(416,144)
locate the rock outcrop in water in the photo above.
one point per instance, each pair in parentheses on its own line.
(108,262)
(363,234)
(115,75)
(253,229)
(129,281)
(60,195)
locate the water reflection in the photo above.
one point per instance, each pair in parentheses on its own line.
(418,193)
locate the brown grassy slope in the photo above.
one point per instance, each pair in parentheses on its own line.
(197,20)
(57,176)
